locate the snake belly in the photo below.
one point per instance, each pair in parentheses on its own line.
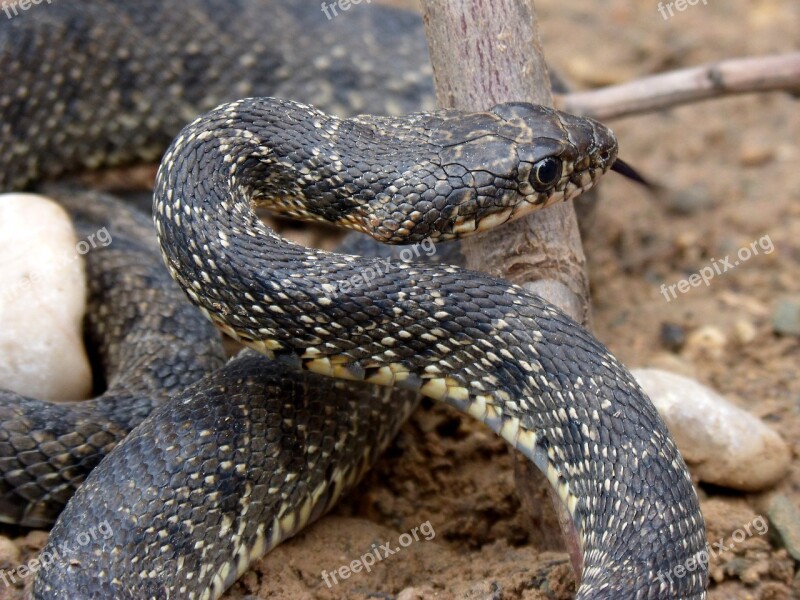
(186,528)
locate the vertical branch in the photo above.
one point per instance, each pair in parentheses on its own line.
(485,52)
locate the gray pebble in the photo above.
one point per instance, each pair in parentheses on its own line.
(786,316)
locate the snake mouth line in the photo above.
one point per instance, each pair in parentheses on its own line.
(519,211)
(576,190)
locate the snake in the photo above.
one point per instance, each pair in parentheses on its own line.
(196,466)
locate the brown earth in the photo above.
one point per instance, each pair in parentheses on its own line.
(733,166)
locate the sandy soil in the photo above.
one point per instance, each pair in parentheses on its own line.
(733,165)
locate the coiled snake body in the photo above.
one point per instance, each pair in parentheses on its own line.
(246,456)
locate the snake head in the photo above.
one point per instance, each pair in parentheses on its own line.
(518,158)
(436,176)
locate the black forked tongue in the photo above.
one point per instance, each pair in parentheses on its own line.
(627,171)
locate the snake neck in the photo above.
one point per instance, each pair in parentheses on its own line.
(482,345)
(299,162)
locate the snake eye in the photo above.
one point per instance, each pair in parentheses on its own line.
(545,173)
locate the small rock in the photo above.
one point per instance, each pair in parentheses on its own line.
(685,201)
(785,519)
(415,593)
(42,301)
(721,443)
(673,336)
(708,340)
(687,241)
(786,316)
(755,155)
(745,331)
(34,541)
(9,552)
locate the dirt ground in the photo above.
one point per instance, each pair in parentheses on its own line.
(733,165)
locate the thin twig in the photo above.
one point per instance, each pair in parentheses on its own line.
(723,78)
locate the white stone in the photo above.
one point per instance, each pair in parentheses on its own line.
(42,301)
(721,443)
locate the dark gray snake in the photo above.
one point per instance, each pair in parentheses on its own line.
(219,472)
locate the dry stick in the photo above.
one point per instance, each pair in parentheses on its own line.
(724,78)
(485,52)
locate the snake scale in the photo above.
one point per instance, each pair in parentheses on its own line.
(225,461)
